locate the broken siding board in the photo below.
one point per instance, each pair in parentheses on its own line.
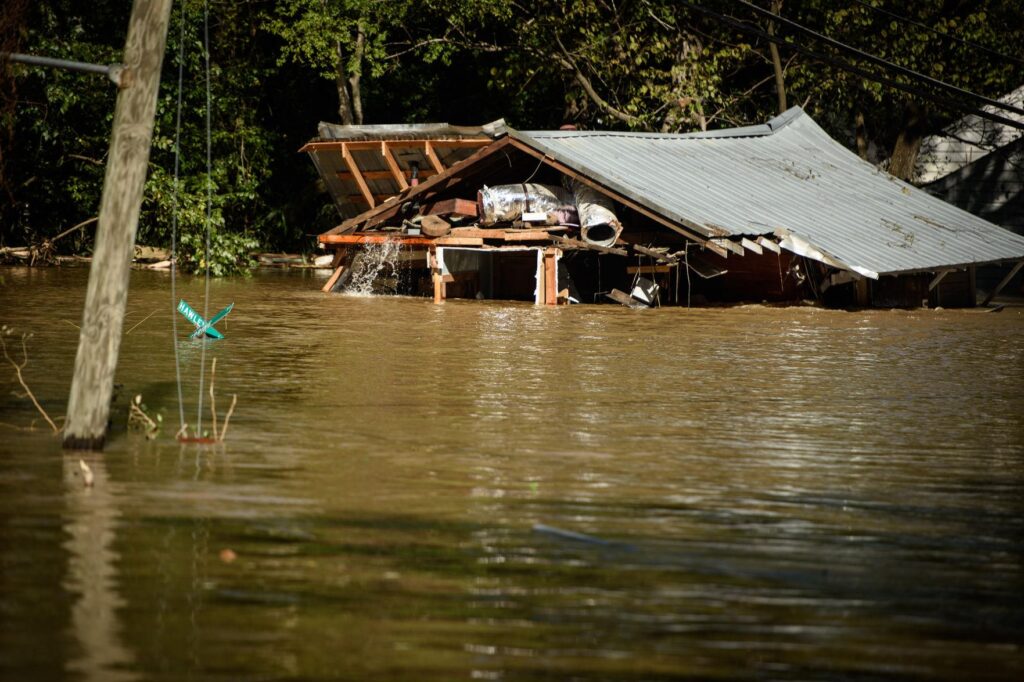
(751,246)
(357,176)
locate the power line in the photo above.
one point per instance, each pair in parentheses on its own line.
(846,66)
(883,62)
(936,31)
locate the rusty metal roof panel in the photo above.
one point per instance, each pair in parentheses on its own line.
(787,178)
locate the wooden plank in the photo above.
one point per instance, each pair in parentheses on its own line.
(389,159)
(660,256)
(648,269)
(938,278)
(357,175)
(1002,283)
(766,243)
(431,155)
(458,207)
(405,240)
(578,244)
(751,246)
(437,278)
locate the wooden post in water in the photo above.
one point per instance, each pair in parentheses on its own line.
(100,339)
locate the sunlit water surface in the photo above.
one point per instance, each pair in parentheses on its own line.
(764,493)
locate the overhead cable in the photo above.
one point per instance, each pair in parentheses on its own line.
(936,31)
(883,62)
(846,66)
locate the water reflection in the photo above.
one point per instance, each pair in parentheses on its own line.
(93,516)
(783,494)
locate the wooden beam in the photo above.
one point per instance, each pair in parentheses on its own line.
(431,155)
(766,243)
(357,175)
(504,235)
(333,278)
(405,240)
(389,159)
(1003,282)
(99,340)
(938,278)
(361,145)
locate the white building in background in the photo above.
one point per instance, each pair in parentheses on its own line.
(967,141)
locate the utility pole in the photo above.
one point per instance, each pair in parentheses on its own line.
(100,339)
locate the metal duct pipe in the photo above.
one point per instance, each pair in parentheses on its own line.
(598,222)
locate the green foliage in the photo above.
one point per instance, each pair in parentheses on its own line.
(278,68)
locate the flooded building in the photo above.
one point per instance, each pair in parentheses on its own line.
(778,212)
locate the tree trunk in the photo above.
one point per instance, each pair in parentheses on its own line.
(780,84)
(344,102)
(908,143)
(862,135)
(353,80)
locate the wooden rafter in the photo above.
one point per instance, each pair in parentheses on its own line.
(357,175)
(428,150)
(396,172)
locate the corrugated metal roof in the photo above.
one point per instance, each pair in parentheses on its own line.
(787,178)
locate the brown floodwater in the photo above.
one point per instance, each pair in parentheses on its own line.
(495,491)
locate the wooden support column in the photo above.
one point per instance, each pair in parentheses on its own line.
(357,175)
(437,277)
(550,276)
(99,341)
(396,172)
(1003,282)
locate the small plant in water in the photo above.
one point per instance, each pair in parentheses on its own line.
(5,332)
(138,418)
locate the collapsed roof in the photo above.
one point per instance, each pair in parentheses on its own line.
(785,179)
